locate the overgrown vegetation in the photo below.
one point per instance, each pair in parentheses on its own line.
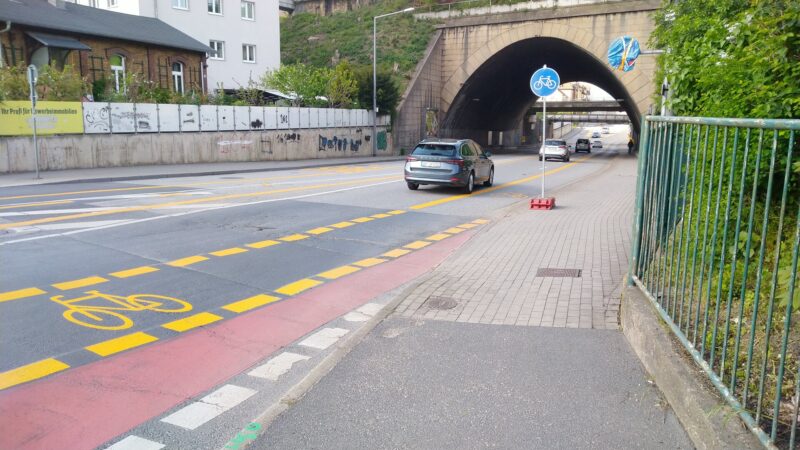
(324,41)
(738,58)
(53,84)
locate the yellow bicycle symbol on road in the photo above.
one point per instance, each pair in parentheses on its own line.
(107,318)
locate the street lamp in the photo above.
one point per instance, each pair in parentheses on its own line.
(375,77)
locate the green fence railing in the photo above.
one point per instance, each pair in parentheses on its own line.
(716,243)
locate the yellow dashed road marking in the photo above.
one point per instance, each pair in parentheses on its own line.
(468,225)
(319,230)
(363,219)
(369,262)
(134,272)
(298,286)
(438,237)
(229,251)
(30,372)
(417,245)
(480,221)
(183,262)
(339,272)
(121,343)
(396,212)
(250,303)
(342,224)
(83,282)
(454,230)
(263,244)
(396,253)
(294,237)
(381,215)
(20,293)
(194,321)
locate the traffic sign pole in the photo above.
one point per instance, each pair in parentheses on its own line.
(33,77)
(544,82)
(544,137)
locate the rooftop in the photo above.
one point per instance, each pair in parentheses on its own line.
(58,15)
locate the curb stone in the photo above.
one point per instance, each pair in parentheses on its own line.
(708,420)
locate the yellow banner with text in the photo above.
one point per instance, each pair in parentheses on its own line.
(16,118)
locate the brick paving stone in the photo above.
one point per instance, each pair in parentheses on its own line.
(594,235)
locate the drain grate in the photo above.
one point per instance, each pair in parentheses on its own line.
(434,302)
(560,273)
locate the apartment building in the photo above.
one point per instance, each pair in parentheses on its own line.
(243,34)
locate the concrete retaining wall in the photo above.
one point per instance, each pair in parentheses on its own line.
(117,150)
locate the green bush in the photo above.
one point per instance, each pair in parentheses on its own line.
(53,84)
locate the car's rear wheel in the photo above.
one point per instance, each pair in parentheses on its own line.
(470,184)
(490,180)
(412,186)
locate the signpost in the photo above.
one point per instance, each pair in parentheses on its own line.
(544,82)
(33,77)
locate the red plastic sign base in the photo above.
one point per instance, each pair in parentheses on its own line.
(543,203)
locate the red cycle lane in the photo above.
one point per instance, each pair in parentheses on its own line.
(89,405)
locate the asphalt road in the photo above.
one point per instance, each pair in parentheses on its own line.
(208,242)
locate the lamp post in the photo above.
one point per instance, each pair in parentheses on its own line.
(375,77)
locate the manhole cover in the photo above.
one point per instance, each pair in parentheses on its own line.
(562,273)
(441,303)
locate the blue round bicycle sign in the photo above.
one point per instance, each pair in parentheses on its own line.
(545,81)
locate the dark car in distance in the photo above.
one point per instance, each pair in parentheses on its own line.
(583,145)
(449,162)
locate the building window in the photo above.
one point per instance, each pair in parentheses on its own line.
(215,6)
(248,10)
(112,3)
(180,4)
(94,3)
(219,49)
(177,77)
(117,63)
(248,53)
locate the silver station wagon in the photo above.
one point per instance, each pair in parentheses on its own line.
(449,162)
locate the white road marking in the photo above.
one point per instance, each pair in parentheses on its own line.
(363,313)
(69,226)
(324,338)
(370,309)
(277,366)
(193,415)
(209,407)
(44,212)
(356,316)
(207,206)
(136,443)
(233,205)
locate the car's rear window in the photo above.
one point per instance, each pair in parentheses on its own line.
(583,141)
(555,142)
(448,150)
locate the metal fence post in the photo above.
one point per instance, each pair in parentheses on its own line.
(644,152)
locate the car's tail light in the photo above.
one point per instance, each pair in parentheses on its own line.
(411,159)
(458,162)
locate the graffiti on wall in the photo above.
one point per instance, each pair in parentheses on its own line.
(338,144)
(95,120)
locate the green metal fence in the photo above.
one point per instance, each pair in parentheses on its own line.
(716,242)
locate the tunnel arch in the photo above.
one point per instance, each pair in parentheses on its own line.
(490,90)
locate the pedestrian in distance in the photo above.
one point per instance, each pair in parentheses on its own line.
(630,146)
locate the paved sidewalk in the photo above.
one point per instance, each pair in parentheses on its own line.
(484,352)
(497,278)
(105,174)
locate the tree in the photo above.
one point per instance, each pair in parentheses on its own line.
(388,92)
(733,58)
(343,87)
(307,84)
